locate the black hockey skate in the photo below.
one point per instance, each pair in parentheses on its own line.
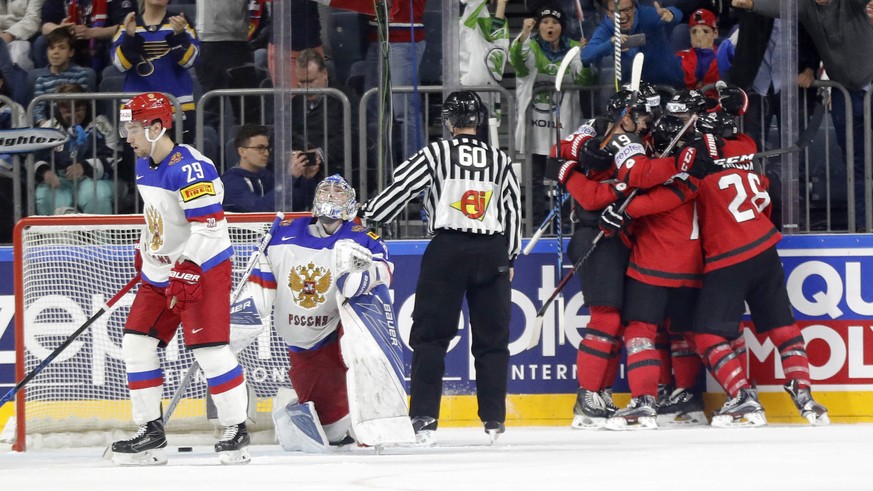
(742,410)
(663,397)
(233,449)
(815,413)
(146,447)
(640,414)
(425,431)
(590,412)
(494,429)
(606,395)
(682,408)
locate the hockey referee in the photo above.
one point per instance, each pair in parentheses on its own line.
(474,212)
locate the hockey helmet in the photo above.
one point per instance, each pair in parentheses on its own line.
(687,102)
(463,109)
(146,109)
(651,98)
(621,100)
(666,128)
(334,199)
(718,123)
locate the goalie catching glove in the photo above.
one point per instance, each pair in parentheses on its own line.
(184,289)
(351,262)
(613,221)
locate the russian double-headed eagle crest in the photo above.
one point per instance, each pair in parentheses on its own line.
(308,284)
(155,223)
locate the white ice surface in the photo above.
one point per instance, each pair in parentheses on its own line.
(794,458)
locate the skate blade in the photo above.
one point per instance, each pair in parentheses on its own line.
(694,418)
(235,457)
(746,420)
(423,439)
(581,422)
(146,458)
(493,435)
(621,424)
(816,419)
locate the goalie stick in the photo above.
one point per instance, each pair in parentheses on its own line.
(109,306)
(253,259)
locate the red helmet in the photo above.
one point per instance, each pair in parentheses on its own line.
(146,108)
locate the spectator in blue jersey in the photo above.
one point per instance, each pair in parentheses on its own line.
(661,66)
(249,186)
(61,70)
(156,50)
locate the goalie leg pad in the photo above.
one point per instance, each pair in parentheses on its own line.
(224,377)
(145,378)
(299,429)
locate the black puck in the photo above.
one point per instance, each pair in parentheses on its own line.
(186,449)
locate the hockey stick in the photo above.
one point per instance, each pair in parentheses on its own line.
(616,36)
(107,307)
(543,226)
(636,76)
(571,55)
(538,321)
(253,259)
(803,139)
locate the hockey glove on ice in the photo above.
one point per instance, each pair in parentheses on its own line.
(613,221)
(184,289)
(560,169)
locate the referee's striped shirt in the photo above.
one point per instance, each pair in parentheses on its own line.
(469,187)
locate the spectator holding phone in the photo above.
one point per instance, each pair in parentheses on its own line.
(305,174)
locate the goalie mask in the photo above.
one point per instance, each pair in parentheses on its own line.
(334,199)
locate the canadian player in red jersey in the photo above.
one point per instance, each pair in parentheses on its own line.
(741,265)
(602,275)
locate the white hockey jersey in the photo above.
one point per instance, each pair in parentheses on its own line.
(297,278)
(183,214)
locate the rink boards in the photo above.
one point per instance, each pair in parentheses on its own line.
(825,277)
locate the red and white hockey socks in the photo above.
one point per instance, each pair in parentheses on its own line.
(224,377)
(145,378)
(722,362)
(795,362)
(595,350)
(643,360)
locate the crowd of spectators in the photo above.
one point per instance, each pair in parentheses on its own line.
(188,47)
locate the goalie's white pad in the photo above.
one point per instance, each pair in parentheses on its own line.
(299,429)
(246,324)
(375,379)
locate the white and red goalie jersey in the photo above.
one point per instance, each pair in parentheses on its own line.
(299,278)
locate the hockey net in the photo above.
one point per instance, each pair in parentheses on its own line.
(66,267)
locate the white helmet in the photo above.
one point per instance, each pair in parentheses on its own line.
(335,199)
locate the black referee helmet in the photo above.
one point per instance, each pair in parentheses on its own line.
(463,109)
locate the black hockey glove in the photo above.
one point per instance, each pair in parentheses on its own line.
(595,158)
(559,169)
(732,99)
(697,160)
(613,221)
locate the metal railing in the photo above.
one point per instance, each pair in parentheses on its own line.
(122,189)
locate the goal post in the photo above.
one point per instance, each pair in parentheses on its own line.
(65,269)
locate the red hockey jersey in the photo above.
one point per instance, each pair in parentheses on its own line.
(667,250)
(732,206)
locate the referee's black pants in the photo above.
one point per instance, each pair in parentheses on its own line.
(456,265)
